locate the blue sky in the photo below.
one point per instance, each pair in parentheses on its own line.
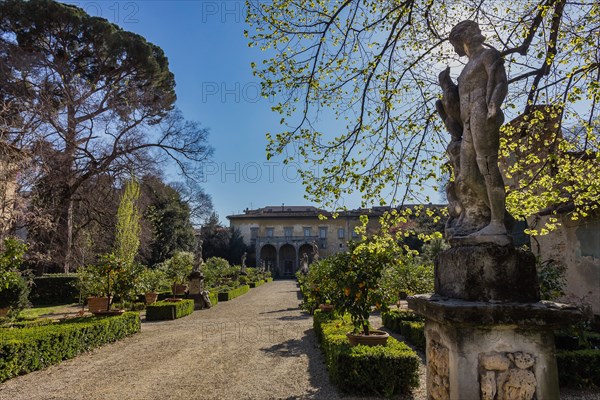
(210,58)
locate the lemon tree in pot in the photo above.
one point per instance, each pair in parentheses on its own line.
(151,281)
(358,286)
(177,269)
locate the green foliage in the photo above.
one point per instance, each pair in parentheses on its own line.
(218,272)
(127,237)
(54,289)
(379,370)
(319,285)
(551,278)
(14,288)
(408,324)
(178,267)
(369,64)
(579,368)
(227,295)
(162,310)
(169,218)
(33,348)
(256,284)
(11,257)
(153,280)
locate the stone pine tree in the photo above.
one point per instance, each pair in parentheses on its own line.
(127,236)
(86,98)
(373,65)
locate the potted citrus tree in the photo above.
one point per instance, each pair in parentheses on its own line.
(99,283)
(151,281)
(177,269)
(358,287)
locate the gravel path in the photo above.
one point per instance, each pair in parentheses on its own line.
(258,346)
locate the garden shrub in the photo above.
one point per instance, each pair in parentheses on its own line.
(30,349)
(233,293)
(579,368)
(414,333)
(380,370)
(54,289)
(214,298)
(268,280)
(27,323)
(408,324)
(162,310)
(256,284)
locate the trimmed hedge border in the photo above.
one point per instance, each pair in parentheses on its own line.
(214,298)
(232,294)
(267,280)
(54,289)
(256,284)
(362,369)
(579,368)
(408,324)
(162,310)
(29,349)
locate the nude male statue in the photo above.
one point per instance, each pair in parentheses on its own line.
(482,87)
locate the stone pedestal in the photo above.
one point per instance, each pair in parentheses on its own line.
(488,336)
(487,272)
(478,350)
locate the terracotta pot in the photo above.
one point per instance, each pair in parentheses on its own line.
(374,338)
(326,308)
(151,297)
(4,311)
(179,289)
(96,304)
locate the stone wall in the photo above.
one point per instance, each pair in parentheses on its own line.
(575,245)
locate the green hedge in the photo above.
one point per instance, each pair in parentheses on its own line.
(214,298)
(579,368)
(29,349)
(162,310)
(267,280)
(361,369)
(54,289)
(408,324)
(256,284)
(26,323)
(232,294)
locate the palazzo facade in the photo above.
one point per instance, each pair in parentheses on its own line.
(281,235)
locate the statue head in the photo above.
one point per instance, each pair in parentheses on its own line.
(465,32)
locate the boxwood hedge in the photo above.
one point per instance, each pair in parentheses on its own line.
(408,324)
(29,349)
(361,369)
(232,294)
(162,310)
(54,289)
(256,284)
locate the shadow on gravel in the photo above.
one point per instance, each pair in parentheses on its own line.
(302,317)
(307,345)
(282,310)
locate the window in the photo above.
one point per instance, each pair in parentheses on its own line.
(270,232)
(323,232)
(288,231)
(307,231)
(253,233)
(354,234)
(341,233)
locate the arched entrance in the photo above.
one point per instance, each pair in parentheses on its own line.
(268,254)
(287,260)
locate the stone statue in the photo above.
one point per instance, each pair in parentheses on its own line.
(243,270)
(304,267)
(315,249)
(471,113)
(198,261)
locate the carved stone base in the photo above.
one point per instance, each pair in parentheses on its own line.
(487,272)
(478,350)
